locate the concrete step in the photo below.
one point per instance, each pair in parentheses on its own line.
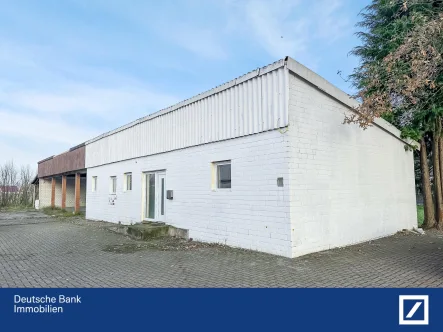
(153,223)
(149,230)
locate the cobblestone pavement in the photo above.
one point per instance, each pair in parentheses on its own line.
(19,218)
(40,251)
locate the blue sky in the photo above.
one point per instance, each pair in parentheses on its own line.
(73,69)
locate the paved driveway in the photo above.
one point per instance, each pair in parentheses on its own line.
(39,251)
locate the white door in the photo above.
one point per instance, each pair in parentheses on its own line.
(155,196)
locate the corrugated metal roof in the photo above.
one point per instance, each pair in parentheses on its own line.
(223,112)
(250,104)
(258,72)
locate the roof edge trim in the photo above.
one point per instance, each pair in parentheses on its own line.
(46,159)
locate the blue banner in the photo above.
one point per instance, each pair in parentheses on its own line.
(221,309)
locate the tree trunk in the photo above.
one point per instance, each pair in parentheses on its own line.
(428,203)
(440,154)
(440,146)
(437,178)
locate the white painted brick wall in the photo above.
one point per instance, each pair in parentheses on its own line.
(254,214)
(58,192)
(346,185)
(44,192)
(70,192)
(45,188)
(342,185)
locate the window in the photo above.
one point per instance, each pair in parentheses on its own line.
(128,181)
(113,185)
(150,185)
(223,174)
(94,183)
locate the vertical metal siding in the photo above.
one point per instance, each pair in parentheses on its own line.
(255,105)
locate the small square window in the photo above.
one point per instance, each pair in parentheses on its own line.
(113,185)
(128,181)
(224,175)
(94,183)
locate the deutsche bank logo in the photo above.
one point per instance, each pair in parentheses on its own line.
(414,309)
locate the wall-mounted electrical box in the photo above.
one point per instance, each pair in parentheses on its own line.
(169,194)
(279,182)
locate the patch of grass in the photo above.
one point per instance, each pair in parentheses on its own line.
(420,215)
(16,208)
(58,212)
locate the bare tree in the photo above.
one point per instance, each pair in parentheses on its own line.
(26,188)
(8,181)
(15,185)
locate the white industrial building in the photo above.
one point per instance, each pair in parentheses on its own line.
(262,162)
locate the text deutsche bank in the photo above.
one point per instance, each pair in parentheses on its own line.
(43,304)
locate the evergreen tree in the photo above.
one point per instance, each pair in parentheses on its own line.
(400,78)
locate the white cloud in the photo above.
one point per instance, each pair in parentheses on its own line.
(88,99)
(203,42)
(36,128)
(42,117)
(170,24)
(331,25)
(290,27)
(20,156)
(94,73)
(39,99)
(273,30)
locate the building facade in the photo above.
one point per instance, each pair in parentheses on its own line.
(262,162)
(61,181)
